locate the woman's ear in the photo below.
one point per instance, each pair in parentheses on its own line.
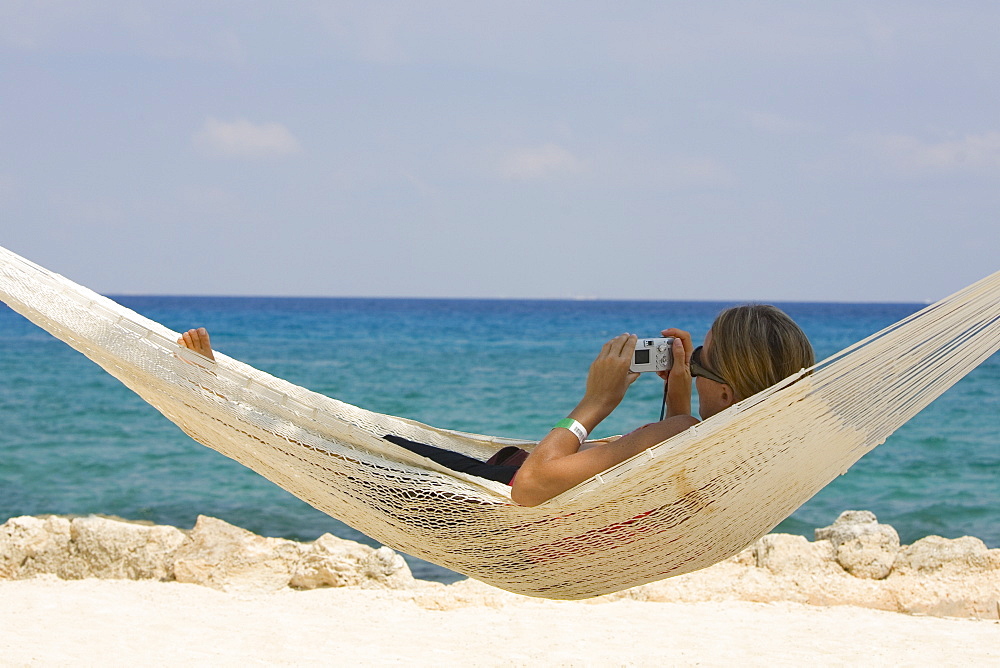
(727,396)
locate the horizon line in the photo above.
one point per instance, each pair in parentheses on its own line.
(580,299)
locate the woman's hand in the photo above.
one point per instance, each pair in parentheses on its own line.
(678,377)
(609,378)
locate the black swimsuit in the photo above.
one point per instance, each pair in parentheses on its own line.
(501,467)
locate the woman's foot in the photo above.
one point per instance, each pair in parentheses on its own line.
(198,341)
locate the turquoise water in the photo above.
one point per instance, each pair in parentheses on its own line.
(75,441)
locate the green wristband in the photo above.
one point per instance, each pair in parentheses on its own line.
(569,423)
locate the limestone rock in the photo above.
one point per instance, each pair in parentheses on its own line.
(934,576)
(947,596)
(870,555)
(104,548)
(387,567)
(219,555)
(863,547)
(850,525)
(786,554)
(86,547)
(335,562)
(31,546)
(935,554)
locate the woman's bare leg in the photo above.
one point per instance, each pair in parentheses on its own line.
(198,341)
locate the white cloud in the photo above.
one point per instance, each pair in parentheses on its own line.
(911,154)
(527,164)
(241,138)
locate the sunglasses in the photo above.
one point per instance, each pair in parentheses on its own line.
(697,369)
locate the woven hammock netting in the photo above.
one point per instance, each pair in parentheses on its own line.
(682,505)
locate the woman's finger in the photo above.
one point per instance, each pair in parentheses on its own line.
(614,347)
(606,348)
(685,339)
(626,344)
(681,356)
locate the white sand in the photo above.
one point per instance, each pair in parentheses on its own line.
(91,622)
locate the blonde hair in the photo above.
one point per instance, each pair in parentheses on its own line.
(755,346)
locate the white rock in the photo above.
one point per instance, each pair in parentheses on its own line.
(219,555)
(105,548)
(786,553)
(335,562)
(849,525)
(863,547)
(30,546)
(935,576)
(935,554)
(870,556)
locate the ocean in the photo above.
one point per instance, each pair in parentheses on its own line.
(73,441)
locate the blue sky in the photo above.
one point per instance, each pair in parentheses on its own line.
(769,151)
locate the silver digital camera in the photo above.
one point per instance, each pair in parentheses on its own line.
(652,355)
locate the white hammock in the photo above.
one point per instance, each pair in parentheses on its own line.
(682,505)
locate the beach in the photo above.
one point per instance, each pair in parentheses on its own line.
(91,622)
(98,590)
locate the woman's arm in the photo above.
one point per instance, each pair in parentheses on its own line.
(678,377)
(538,481)
(557,463)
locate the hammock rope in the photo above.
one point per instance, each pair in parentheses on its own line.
(681,505)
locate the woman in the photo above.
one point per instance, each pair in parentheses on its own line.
(748,349)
